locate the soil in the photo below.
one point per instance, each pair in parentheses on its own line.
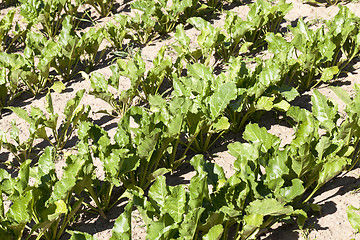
(334,197)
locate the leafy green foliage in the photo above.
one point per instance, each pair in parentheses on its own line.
(314,62)
(91,42)
(236,37)
(257,90)
(50,14)
(20,148)
(166,126)
(103,7)
(265,18)
(33,67)
(48,202)
(210,97)
(209,39)
(117,32)
(165,13)
(351,133)
(71,49)
(142,28)
(142,84)
(9,78)
(39,122)
(11,33)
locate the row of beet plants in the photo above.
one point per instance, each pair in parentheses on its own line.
(270,183)
(55,50)
(171,125)
(308,62)
(199,107)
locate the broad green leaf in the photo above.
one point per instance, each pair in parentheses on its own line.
(268,206)
(342,94)
(289,93)
(68,179)
(181,36)
(21,113)
(282,106)
(46,163)
(198,184)
(276,169)
(252,224)
(75,235)
(253,133)
(297,113)
(72,104)
(214,233)
(22,181)
(175,203)
(214,218)
(277,44)
(162,229)
(158,191)
(331,168)
(58,86)
(122,226)
(270,75)
(215,173)
(288,194)
(49,104)
(243,150)
(265,103)
(221,124)
(324,110)
(158,172)
(60,208)
(200,72)
(353,217)
(329,73)
(20,210)
(190,224)
(300,152)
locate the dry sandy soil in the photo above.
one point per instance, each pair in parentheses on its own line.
(334,198)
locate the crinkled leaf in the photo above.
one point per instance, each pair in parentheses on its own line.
(253,133)
(221,98)
(324,110)
(329,73)
(175,203)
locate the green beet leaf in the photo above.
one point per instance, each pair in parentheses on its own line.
(214,233)
(253,133)
(354,217)
(324,110)
(267,207)
(122,226)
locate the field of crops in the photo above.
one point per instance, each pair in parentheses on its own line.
(179,119)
